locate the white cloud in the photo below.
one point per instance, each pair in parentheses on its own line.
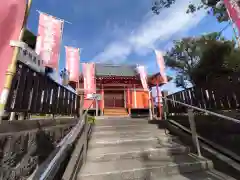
(152,30)
(170,87)
(119,50)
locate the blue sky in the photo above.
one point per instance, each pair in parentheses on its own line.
(124,31)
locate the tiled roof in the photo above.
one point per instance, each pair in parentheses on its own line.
(115,70)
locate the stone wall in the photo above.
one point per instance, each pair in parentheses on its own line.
(24,145)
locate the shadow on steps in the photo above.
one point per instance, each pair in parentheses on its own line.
(187,140)
(122,160)
(183,167)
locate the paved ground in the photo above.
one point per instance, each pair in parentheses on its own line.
(125,148)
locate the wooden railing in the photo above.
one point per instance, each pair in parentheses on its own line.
(36,93)
(212,98)
(216,114)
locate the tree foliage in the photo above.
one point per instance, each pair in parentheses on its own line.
(160,4)
(210,5)
(199,60)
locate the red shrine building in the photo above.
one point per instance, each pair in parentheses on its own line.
(121,90)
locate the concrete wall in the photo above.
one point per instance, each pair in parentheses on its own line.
(24,145)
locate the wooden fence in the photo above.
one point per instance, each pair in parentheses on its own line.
(32,92)
(221,94)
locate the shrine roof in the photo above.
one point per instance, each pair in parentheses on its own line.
(155,79)
(115,70)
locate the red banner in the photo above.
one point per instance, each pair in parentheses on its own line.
(72,63)
(234,11)
(49,39)
(161,65)
(143,76)
(12,14)
(89,79)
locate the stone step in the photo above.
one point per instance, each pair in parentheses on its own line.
(115,114)
(113,153)
(131,133)
(103,118)
(100,122)
(142,169)
(160,137)
(110,117)
(112,111)
(205,175)
(115,111)
(111,141)
(139,127)
(122,148)
(131,147)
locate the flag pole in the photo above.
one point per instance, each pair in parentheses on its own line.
(54,17)
(60,44)
(12,67)
(78,83)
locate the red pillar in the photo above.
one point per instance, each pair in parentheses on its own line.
(129,102)
(159,103)
(102,105)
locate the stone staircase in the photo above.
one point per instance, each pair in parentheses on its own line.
(115,112)
(124,149)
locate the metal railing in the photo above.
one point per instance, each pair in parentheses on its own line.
(80,133)
(191,115)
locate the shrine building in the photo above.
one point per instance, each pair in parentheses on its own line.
(121,90)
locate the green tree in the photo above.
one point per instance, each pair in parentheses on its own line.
(214,61)
(160,4)
(218,11)
(210,5)
(182,58)
(198,60)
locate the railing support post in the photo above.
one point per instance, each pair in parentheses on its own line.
(12,116)
(150,106)
(85,136)
(194,131)
(96,107)
(81,106)
(21,116)
(165,105)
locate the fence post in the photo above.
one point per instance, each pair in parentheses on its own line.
(165,104)
(21,116)
(96,106)
(81,105)
(194,131)
(12,116)
(85,137)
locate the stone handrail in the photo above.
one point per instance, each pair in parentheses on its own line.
(57,161)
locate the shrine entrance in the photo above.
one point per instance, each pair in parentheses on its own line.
(114,99)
